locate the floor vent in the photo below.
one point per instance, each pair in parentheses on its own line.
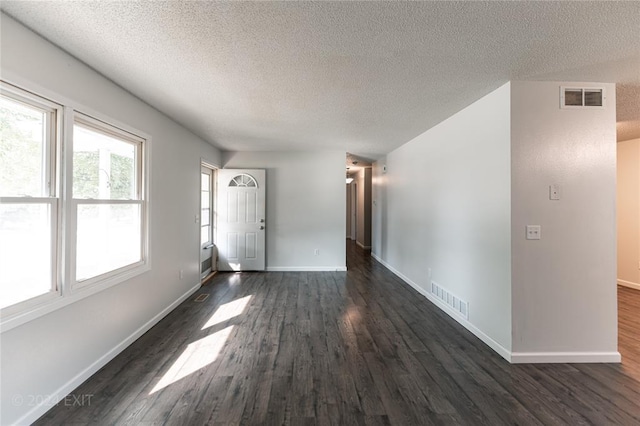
(201,297)
(459,306)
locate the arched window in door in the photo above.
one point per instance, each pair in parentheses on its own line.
(243,180)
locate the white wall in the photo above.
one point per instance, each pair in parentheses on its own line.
(444,204)
(305,207)
(53,354)
(628,171)
(564,285)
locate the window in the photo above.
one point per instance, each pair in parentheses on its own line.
(243,181)
(89,205)
(106,198)
(28,197)
(205,207)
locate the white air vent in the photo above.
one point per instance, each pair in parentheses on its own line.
(459,306)
(581,97)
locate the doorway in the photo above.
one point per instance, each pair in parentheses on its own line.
(241,222)
(628,251)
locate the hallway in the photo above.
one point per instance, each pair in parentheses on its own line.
(322,348)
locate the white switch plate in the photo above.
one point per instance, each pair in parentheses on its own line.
(554,192)
(533,232)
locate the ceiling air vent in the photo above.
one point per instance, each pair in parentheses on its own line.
(581,97)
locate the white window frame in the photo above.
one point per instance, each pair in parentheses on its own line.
(99,126)
(51,196)
(60,173)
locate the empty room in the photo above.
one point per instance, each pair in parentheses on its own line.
(319,213)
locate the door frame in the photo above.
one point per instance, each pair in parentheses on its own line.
(211,249)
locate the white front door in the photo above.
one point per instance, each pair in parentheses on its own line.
(241,219)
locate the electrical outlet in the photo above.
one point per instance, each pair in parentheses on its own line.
(534,232)
(181,273)
(316,252)
(554,192)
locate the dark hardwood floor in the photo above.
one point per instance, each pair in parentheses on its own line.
(351,348)
(629,330)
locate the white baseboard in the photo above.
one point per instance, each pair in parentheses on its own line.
(37,411)
(497,347)
(512,357)
(363,246)
(306,268)
(564,357)
(629,284)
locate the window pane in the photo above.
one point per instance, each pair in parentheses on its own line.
(22,150)
(108,238)
(206,197)
(204,181)
(204,234)
(103,166)
(206,216)
(25,252)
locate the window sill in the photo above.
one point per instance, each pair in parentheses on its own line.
(57,301)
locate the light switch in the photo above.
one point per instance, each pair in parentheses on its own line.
(554,192)
(533,232)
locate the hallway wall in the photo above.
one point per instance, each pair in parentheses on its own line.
(442,212)
(628,212)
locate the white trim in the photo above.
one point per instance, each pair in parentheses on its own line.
(363,246)
(306,268)
(501,350)
(564,357)
(52,304)
(629,284)
(512,357)
(36,412)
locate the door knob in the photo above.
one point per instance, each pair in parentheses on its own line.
(261,220)
(261,227)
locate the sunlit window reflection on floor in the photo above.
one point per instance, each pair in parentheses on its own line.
(228,311)
(197,355)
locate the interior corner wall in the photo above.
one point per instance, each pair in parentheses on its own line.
(444,206)
(628,212)
(364,208)
(564,285)
(305,207)
(51,355)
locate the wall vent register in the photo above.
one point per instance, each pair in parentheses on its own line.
(581,97)
(459,306)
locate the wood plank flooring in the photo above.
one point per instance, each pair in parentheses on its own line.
(629,329)
(336,348)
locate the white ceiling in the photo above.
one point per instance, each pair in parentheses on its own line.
(364,77)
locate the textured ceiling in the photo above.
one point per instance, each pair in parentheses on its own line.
(364,77)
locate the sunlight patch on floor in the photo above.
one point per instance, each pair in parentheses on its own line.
(228,311)
(197,355)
